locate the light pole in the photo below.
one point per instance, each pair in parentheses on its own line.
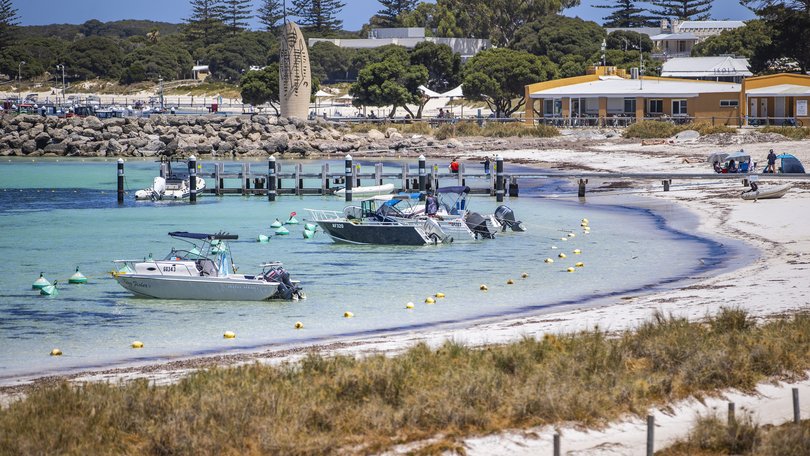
(19,81)
(160,81)
(61,66)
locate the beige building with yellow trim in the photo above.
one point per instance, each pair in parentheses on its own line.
(608,97)
(777,99)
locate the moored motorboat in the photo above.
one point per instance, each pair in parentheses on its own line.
(170,185)
(372,223)
(204,272)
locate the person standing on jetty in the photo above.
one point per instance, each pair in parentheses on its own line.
(486,164)
(454,166)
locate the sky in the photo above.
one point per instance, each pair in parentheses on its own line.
(354,14)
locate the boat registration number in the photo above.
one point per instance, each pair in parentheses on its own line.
(337,226)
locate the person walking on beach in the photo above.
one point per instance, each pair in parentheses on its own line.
(771,162)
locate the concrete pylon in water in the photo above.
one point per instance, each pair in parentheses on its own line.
(294,79)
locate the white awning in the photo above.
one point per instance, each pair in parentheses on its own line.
(458,92)
(781,90)
(322,94)
(647,88)
(429,93)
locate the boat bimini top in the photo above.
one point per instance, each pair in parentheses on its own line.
(207,237)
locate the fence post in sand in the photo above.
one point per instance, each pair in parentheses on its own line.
(348,172)
(650,435)
(120,181)
(732,422)
(797,414)
(556,444)
(422,177)
(499,178)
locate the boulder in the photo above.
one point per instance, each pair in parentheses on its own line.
(375,135)
(454,144)
(395,135)
(29,146)
(300,147)
(58,149)
(115,130)
(42,140)
(232,122)
(93,122)
(113,148)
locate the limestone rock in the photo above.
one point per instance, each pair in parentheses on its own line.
(375,135)
(93,122)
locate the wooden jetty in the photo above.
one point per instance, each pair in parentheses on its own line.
(271,180)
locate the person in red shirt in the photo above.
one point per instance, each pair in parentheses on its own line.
(454,166)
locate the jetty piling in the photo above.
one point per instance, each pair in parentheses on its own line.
(349,170)
(422,177)
(192,179)
(120,181)
(499,178)
(271,178)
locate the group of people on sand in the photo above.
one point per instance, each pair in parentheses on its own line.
(744,167)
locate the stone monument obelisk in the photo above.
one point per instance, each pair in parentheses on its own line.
(294,79)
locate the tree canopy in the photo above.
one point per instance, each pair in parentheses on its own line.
(270,14)
(319,16)
(693,10)
(8,23)
(389,83)
(789,24)
(205,22)
(557,36)
(499,76)
(235,14)
(626,13)
(260,87)
(392,10)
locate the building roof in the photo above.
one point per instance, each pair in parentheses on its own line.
(199,68)
(674,36)
(699,67)
(612,86)
(697,25)
(649,31)
(781,90)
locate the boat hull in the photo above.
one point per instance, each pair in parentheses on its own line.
(198,288)
(768,193)
(374,234)
(368,191)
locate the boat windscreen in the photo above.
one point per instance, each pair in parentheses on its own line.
(456,189)
(203,236)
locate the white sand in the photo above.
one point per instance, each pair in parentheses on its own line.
(775,283)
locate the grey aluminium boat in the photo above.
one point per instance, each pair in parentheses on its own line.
(204,272)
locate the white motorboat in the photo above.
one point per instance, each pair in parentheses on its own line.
(204,272)
(373,222)
(170,185)
(385,189)
(766,193)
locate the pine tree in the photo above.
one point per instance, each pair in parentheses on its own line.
(8,22)
(205,21)
(270,14)
(319,16)
(685,10)
(235,14)
(392,9)
(626,14)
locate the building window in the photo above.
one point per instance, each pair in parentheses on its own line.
(679,108)
(630,105)
(729,103)
(681,46)
(552,107)
(655,106)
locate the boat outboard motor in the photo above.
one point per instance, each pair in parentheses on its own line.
(506,217)
(478,225)
(286,289)
(435,232)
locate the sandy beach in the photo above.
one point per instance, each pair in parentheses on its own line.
(772,281)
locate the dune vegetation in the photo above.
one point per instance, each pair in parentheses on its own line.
(342,404)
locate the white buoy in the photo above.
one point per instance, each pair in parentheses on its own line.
(282,231)
(577,251)
(263,238)
(56,352)
(409,305)
(549,260)
(310,226)
(292,220)
(276,224)
(308,234)
(561,255)
(430,301)
(77,277)
(40,283)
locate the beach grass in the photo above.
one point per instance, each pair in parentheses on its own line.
(342,404)
(415,128)
(794,133)
(654,129)
(714,436)
(494,130)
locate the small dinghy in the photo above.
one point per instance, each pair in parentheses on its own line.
(384,189)
(759,193)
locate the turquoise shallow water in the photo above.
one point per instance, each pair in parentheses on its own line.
(55,216)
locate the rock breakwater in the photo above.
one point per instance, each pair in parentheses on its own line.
(206,136)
